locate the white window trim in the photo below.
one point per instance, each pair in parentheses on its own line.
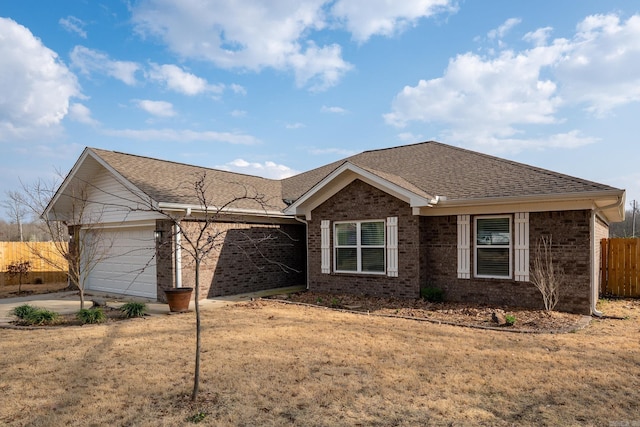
(476,247)
(358,247)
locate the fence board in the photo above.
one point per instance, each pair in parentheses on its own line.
(52,269)
(619,267)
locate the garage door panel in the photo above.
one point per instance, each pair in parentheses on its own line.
(126,263)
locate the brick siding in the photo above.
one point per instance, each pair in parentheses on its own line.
(247,258)
(428,254)
(570,232)
(360,201)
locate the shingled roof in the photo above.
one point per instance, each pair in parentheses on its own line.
(172,182)
(453,172)
(427,168)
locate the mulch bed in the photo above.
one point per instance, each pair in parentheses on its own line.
(462,314)
(70,319)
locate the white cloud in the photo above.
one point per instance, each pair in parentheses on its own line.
(409,137)
(538,37)
(74,25)
(91,61)
(252,34)
(338,151)
(245,34)
(35,85)
(488,100)
(81,113)
(297,125)
(186,135)
(601,71)
(178,80)
(267,169)
(503,29)
(334,110)
(156,108)
(238,113)
(366,18)
(238,89)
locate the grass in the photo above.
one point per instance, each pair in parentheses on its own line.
(265,363)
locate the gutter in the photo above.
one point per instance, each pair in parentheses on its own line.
(595,291)
(214,209)
(534,198)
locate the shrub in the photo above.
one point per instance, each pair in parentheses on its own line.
(91,315)
(38,281)
(510,319)
(23,311)
(40,316)
(432,294)
(134,309)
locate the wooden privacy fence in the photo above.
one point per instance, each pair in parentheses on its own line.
(37,253)
(619,267)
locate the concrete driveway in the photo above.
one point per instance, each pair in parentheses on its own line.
(69,302)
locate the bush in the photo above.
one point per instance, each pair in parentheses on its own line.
(38,281)
(40,316)
(510,319)
(432,294)
(134,309)
(91,315)
(23,311)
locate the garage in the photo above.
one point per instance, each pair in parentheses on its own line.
(125,262)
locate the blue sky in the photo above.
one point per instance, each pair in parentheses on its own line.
(282,89)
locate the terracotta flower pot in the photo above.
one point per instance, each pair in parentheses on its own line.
(178,299)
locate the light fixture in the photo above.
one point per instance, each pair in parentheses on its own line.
(158,235)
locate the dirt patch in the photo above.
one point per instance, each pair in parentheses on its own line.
(474,315)
(11,291)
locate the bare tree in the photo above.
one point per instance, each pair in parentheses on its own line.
(76,234)
(16,209)
(545,275)
(201,236)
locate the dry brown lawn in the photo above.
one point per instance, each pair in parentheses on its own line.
(267,363)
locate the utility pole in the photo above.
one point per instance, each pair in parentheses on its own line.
(633,220)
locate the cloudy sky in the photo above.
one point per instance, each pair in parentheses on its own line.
(278,87)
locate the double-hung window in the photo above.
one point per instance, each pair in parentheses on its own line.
(359,247)
(493,246)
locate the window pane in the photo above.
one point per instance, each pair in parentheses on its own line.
(493,231)
(373,259)
(493,262)
(347,234)
(346,259)
(372,233)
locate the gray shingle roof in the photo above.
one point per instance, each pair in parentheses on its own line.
(456,173)
(427,168)
(172,182)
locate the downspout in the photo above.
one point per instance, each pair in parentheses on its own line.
(178,254)
(306,239)
(595,291)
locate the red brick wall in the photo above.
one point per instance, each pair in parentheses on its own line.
(360,201)
(570,231)
(247,258)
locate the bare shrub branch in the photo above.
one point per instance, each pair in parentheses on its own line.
(545,275)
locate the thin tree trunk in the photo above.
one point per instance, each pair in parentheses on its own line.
(196,375)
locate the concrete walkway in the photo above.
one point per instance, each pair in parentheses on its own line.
(69,302)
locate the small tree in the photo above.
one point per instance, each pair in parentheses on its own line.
(545,275)
(201,236)
(76,233)
(20,269)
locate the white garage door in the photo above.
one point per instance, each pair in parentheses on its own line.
(126,262)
